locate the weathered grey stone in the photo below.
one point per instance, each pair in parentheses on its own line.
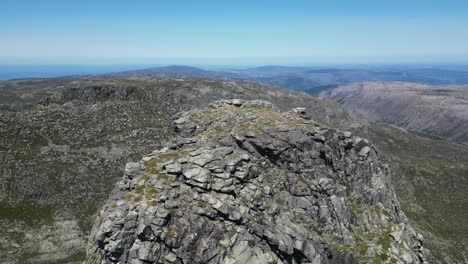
(233,160)
(162,213)
(171,257)
(192,172)
(203,176)
(174,168)
(222,151)
(222,175)
(133,169)
(294,193)
(299,110)
(202,159)
(170,204)
(364,151)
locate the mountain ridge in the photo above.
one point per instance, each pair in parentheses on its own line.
(258,186)
(436,110)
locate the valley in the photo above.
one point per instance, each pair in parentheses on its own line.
(435,110)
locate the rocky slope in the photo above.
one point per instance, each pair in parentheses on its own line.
(436,110)
(433,171)
(65,141)
(246,183)
(431,180)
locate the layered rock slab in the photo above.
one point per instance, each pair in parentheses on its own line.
(247,183)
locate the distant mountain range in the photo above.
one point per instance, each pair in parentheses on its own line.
(183,71)
(311,80)
(315,80)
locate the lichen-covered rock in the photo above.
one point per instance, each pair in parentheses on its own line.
(246,183)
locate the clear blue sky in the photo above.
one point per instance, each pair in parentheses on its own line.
(240,31)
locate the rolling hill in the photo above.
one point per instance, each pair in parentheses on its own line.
(435,110)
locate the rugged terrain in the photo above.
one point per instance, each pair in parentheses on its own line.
(433,177)
(436,110)
(247,183)
(65,141)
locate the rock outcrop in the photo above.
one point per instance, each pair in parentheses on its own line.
(64,142)
(247,183)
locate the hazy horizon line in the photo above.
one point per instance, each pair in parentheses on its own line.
(238,61)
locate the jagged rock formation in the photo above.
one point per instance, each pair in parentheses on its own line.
(247,183)
(65,141)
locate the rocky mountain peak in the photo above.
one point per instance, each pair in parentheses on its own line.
(247,183)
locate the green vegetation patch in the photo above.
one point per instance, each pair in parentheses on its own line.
(28,212)
(151,165)
(431,180)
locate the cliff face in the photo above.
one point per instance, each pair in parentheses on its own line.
(247,183)
(433,179)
